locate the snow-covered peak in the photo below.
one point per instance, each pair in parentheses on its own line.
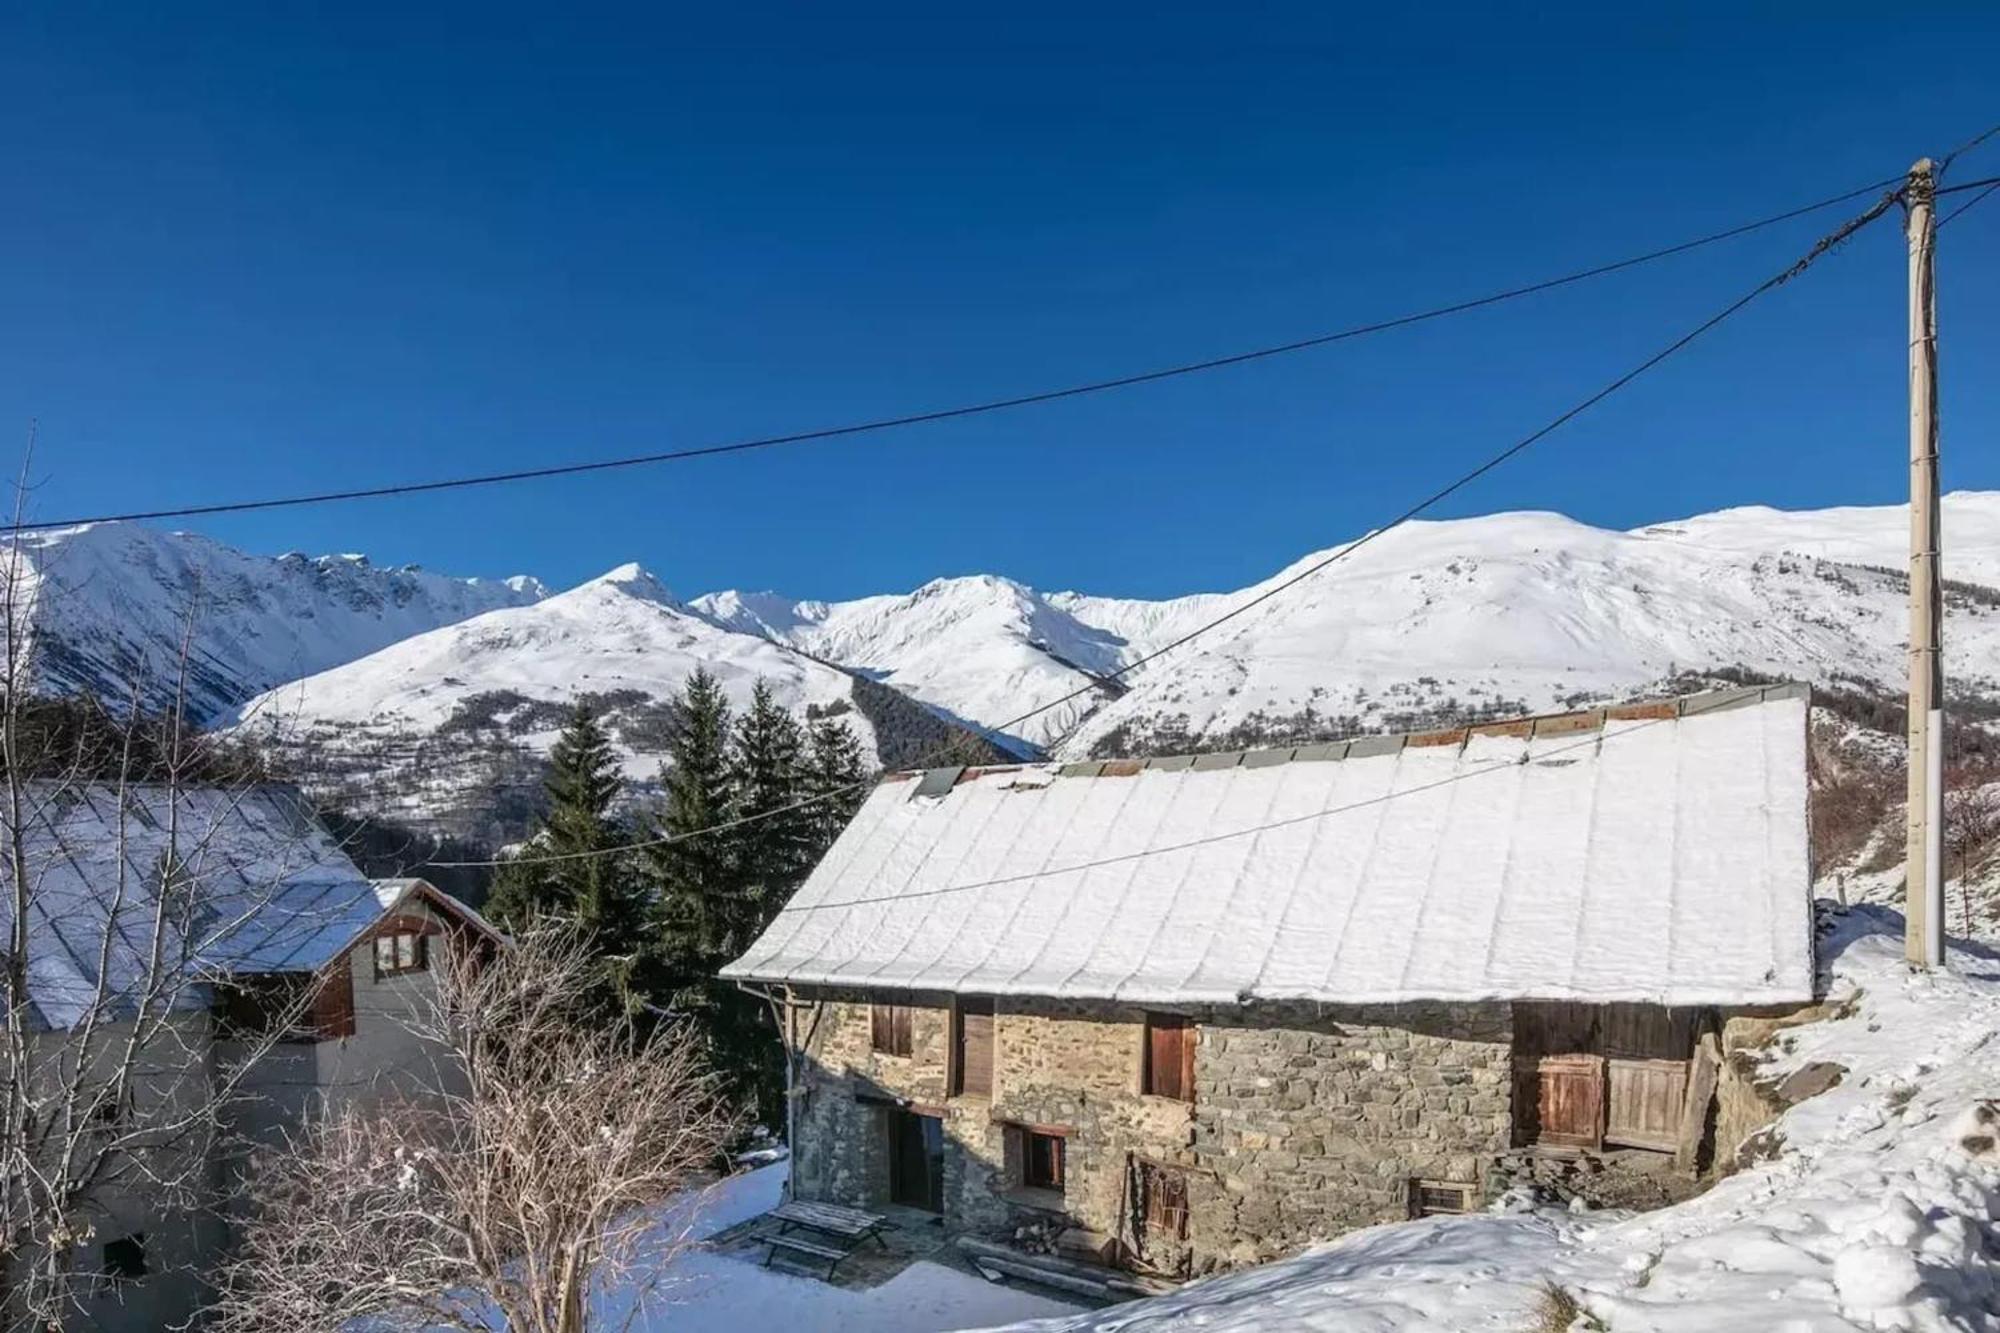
(633,580)
(111,603)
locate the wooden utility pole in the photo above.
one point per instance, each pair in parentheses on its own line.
(1923,895)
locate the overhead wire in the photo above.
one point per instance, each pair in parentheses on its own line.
(1821,247)
(903,420)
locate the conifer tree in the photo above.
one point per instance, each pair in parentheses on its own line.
(696,876)
(768,770)
(570,868)
(836,774)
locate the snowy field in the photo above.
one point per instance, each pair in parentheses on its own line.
(706,1291)
(1877,1215)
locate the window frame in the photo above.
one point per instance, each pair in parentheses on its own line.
(1056,1182)
(402,962)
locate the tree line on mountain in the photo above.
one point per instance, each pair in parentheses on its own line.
(666,909)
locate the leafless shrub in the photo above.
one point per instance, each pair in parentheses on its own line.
(515,1186)
(112,1091)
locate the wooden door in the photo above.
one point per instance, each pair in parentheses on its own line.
(916,1160)
(1571,1100)
(973,1063)
(1645,1103)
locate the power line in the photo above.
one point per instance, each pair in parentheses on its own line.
(1821,247)
(968,410)
(1973,202)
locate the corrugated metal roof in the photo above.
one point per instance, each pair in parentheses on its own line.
(260,887)
(1654,853)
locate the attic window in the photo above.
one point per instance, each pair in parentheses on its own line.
(400,952)
(1442,1198)
(890,1029)
(125,1258)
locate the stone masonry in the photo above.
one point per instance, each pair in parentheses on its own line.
(1307,1120)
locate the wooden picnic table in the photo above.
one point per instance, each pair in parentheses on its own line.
(850,1225)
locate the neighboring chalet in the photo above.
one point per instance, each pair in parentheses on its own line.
(1203,1010)
(211,913)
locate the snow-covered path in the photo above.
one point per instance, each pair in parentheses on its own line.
(1878,1214)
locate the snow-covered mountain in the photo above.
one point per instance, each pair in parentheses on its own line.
(420,693)
(448,727)
(108,605)
(1503,613)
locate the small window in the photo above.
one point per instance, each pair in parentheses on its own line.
(972,1067)
(1042,1160)
(125,1258)
(1441,1198)
(400,952)
(891,1029)
(1169,1057)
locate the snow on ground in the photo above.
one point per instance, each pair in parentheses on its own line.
(1877,1214)
(704,1290)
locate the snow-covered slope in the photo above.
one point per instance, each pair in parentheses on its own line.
(451,706)
(1504,613)
(1877,1212)
(110,603)
(982,649)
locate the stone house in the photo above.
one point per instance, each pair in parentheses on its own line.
(1195,1012)
(163,926)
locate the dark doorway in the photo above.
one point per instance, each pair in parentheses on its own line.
(916,1160)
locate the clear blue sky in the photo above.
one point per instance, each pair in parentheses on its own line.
(260,249)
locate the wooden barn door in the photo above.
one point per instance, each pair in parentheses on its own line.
(1571,1100)
(1645,1103)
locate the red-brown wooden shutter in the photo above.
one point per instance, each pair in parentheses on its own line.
(975,1047)
(1170,1057)
(332,1013)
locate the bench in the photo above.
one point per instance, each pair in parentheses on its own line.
(851,1223)
(850,1226)
(830,1255)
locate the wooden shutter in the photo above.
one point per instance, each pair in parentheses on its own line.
(1170,1057)
(332,1013)
(883,1023)
(890,1028)
(974,1065)
(1571,1100)
(1042,1160)
(1645,1099)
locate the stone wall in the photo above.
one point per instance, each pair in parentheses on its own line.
(1314,1120)
(1307,1121)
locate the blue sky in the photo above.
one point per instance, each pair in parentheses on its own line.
(251,250)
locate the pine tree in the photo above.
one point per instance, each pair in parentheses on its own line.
(769,775)
(570,869)
(838,777)
(696,876)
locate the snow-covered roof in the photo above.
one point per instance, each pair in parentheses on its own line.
(1656,852)
(393,893)
(266,889)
